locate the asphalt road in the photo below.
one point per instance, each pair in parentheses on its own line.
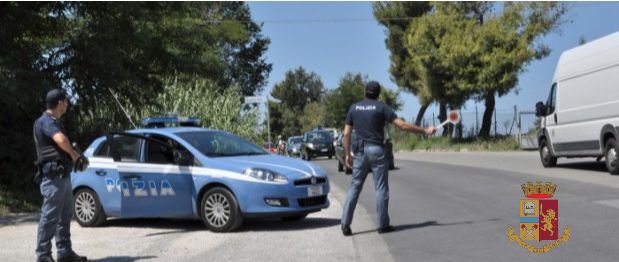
(445,206)
(457,206)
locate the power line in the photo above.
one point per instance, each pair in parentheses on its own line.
(314,21)
(356,20)
(576,5)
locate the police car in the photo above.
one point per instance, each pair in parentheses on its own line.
(192,172)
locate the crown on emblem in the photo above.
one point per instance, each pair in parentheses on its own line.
(539,191)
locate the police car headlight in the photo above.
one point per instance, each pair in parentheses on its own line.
(310,145)
(266,175)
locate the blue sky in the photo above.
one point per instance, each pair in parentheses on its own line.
(333,38)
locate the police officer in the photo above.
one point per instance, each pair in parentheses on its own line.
(54,156)
(368,118)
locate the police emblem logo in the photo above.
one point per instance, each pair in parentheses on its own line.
(539,218)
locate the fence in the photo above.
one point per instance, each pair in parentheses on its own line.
(505,122)
(528,124)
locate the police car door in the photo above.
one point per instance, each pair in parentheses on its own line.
(148,189)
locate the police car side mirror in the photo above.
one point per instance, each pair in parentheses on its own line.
(183,159)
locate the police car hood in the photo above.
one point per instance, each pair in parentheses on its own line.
(289,167)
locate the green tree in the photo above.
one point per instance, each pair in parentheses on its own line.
(314,115)
(28,29)
(473,52)
(114,57)
(220,111)
(350,90)
(299,89)
(124,50)
(396,17)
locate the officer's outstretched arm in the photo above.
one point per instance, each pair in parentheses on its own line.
(64,144)
(408,127)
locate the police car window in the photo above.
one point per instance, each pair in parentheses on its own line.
(128,147)
(159,153)
(103,150)
(221,144)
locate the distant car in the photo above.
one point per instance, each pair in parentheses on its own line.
(293,146)
(340,157)
(317,143)
(333,132)
(192,172)
(270,147)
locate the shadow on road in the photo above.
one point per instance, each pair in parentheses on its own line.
(122,259)
(279,225)
(587,166)
(181,226)
(425,224)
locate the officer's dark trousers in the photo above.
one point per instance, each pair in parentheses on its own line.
(56,213)
(372,157)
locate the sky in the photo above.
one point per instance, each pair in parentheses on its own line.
(334,38)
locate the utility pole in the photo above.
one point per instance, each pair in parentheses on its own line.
(257,100)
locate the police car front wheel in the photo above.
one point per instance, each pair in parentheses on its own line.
(220,210)
(87,208)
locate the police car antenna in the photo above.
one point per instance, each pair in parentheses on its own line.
(122,108)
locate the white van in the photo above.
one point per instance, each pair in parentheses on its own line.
(581,116)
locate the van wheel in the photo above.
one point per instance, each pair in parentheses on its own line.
(611,156)
(548,160)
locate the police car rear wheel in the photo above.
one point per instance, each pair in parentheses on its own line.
(87,208)
(220,211)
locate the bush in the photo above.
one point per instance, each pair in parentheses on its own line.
(13,201)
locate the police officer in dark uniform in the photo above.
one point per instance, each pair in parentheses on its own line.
(55,156)
(368,118)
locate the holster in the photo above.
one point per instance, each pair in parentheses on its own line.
(358,147)
(37,176)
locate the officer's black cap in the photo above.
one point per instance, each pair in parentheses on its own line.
(372,88)
(55,95)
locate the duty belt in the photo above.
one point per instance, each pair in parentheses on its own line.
(56,169)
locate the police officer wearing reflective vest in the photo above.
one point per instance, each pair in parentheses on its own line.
(368,118)
(55,156)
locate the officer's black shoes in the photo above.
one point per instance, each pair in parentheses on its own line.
(346,230)
(387,229)
(45,259)
(72,258)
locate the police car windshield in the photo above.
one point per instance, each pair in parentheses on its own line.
(221,144)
